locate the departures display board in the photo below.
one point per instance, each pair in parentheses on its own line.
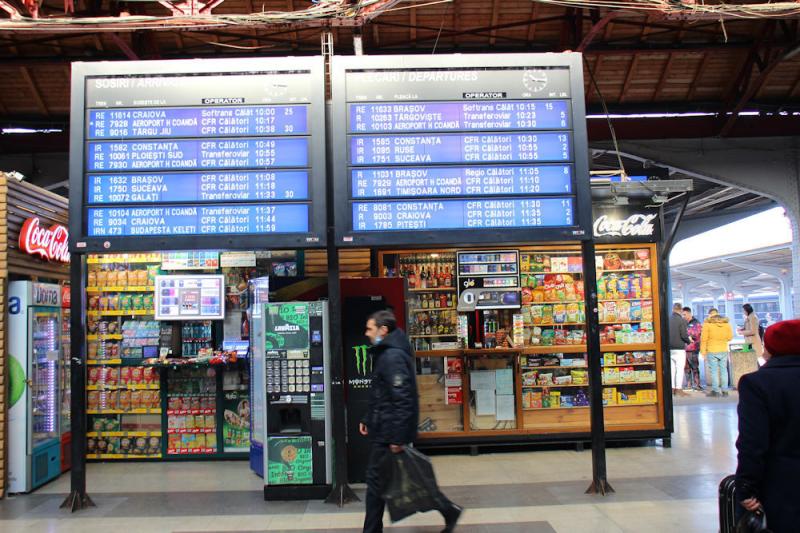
(176,154)
(459,149)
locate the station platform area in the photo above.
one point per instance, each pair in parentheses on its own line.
(657,489)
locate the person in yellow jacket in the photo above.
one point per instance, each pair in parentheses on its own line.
(717,332)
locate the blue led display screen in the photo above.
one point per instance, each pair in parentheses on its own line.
(104,156)
(213,186)
(465,148)
(462,214)
(197,220)
(229,121)
(459,116)
(417,182)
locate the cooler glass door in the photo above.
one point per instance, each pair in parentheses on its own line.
(45,353)
(65,373)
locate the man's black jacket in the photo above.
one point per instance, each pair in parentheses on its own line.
(393,403)
(678,333)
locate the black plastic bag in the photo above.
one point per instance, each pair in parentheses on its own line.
(410,484)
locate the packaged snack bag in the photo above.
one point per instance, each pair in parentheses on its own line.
(602,293)
(573,313)
(538,294)
(579,288)
(153,445)
(624,311)
(642,259)
(138,302)
(612,261)
(558,264)
(102,278)
(547,314)
(555,398)
(536,400)
(623,286)
(647,287)
(610,312)
(195,403)
(136,399)
(174,442)
(627,374)
(537,314)
(560,288)
(636,309)
(548,337)
(628,264)
(148,301)
(211,441)
(137,375)
(527,296)
(559,313)
(560,337)
(525,262)
(210,422)
(647,310)
(570,294)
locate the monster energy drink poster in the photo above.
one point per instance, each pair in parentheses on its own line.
(358,372)
(286,326)
(289,461)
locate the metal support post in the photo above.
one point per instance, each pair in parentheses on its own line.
(600,483)
(78,498)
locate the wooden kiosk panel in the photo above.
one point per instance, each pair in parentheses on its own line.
(550,369)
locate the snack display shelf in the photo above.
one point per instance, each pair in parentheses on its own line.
(105,337)
(123,412)
(586,407)
(555,302)
(624,383)
(149,386)
(123,434)
(192,451)
(173,412)
(117,312)
(104,361)
(433,335)
(188,431)
(625,322)
(121,456)
(623,299)
(122,259)
(644,347)
(627,364)
(433,289)
(556,324)
(554,386)
(127,288)
(528,367)
(429,309)
(558,272)
(190,395)
(605,271)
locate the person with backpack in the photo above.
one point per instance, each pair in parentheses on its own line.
(752,330)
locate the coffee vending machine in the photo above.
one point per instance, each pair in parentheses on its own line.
(297,434)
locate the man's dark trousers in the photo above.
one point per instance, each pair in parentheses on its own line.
(373,521)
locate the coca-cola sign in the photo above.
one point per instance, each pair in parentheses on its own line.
(50,243)
(630,226)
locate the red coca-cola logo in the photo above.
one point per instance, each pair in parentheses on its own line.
(51,243)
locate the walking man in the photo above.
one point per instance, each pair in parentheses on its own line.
(717,333)
(678,339)
(694,328)
(393,415)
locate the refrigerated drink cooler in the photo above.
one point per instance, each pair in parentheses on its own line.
(34,343)
(293,398)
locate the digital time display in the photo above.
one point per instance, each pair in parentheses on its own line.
(216,186)
(201,148)
(454,214)
(215,121)
(197,220)
(479,143)
(460,116)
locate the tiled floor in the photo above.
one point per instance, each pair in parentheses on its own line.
(657,489)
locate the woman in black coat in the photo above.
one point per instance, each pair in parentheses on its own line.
(768,474)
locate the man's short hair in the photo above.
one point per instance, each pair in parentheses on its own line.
(687,309)
(384,318)
(713,311)
(677,307)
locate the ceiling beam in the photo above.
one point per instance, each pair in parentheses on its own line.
(37,95)
(532,26)
(596,29)
(662,79)
(495,17)
(628,78)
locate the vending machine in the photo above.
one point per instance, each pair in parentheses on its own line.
(297,435)
(34,345)
(258,295)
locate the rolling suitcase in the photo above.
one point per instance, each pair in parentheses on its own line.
(727,505)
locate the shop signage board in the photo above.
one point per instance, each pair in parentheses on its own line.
(459,149)
(629,224)
(51,244)
(198,154)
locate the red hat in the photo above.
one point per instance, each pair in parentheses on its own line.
(783,338)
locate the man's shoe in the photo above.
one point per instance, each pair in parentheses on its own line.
(724,394)
(712,394)
(451,516)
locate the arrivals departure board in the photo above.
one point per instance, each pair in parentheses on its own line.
(225,153)
(459,149)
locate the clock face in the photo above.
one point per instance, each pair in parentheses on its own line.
(535,80)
